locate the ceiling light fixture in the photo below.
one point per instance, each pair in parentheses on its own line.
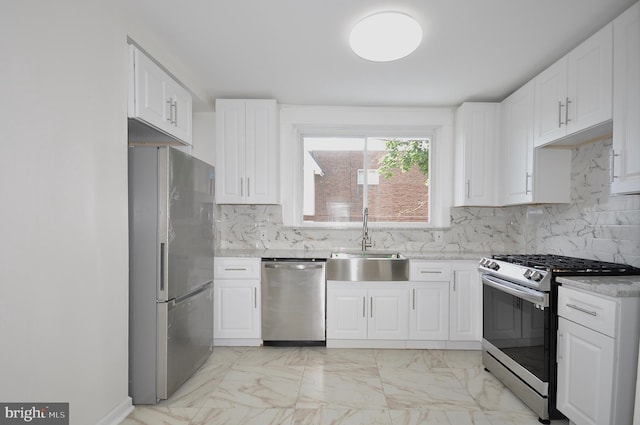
(385,36)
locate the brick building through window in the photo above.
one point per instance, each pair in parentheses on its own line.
(338,190)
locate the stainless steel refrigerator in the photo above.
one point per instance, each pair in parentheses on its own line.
(171,246)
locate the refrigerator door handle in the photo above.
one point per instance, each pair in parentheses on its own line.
(162,264)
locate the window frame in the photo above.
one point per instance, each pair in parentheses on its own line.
(327,121)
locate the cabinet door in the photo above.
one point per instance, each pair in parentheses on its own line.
(517,114)
(237,309)
(150,92)
(181,102)
(550,103)
(388,314)
(465,304)
(590,75)
(230,151)
(429,311)
(625,170)
(261,154)
(346,313)
(475,148)
(585,374)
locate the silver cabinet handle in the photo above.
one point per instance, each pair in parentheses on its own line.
(559,113)
(413,297)
(560,346)
(173,111)
(430,272)
(364,305)
(468,188)
(526,183)
(248,186)
(371,312)
(566,113)
(612,165)
(170,119)
(241,186)
(255,297)
(235,269)
(583,310)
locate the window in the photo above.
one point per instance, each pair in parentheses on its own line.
(388,175)
(368,126)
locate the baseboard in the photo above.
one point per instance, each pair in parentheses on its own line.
(117,415)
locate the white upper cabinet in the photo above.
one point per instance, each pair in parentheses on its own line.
(575,93)
(625,164)
(530,175)
(246,152)
(476,143)
(157,99)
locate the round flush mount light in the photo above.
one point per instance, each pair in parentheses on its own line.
(385,36)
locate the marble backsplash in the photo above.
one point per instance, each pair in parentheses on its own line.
(595,225)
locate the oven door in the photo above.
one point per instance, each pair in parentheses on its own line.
(516,330)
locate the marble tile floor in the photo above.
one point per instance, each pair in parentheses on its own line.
(322,386)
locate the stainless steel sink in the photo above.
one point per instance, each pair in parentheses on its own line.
(366,266)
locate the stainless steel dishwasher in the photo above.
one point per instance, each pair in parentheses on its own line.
(293,301)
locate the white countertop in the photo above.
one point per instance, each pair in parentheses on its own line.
(613,286)
(300,253)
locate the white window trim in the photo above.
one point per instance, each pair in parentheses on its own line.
(436,123)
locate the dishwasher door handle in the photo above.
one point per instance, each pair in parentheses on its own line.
(293,266)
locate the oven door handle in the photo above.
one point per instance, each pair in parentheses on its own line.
(540,299)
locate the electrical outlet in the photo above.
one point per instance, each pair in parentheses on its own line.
(438,236)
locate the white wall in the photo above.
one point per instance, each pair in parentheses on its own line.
(63,215)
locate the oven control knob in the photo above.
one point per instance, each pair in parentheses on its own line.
(537,276)
(527,274)
(494,266)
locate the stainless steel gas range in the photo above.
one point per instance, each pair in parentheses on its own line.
(520,321)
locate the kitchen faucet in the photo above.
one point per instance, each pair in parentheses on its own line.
(366,239)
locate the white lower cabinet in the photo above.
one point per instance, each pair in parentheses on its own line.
(429,312)
(237,306)
(237,309)
(388,315)
(440,307)
(367,310)
(465,302)
(585,373)
(597,356)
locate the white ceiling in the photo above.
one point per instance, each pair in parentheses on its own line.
(297,51)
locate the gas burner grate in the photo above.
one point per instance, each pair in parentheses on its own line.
(561,264)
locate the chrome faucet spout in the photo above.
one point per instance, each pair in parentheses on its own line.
(366,239)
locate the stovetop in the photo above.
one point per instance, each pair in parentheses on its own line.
(562,265)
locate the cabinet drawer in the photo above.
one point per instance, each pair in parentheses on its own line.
(236,268)
(587,309)
(430,271)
